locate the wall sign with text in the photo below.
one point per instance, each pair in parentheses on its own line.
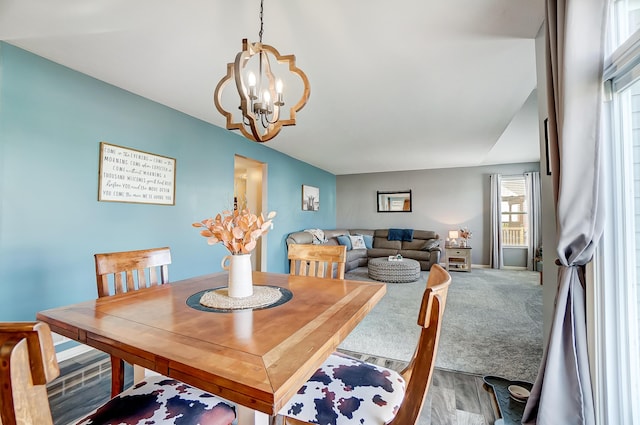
(129,175)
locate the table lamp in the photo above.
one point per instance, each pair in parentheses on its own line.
(453,237)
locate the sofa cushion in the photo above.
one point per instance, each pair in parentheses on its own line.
(425,234)
(356,254)
(381,252)
(345,240)
(357,242)
(361,232)
(416,244)
(300,237)
(383,243)
(336,232)
(416,255)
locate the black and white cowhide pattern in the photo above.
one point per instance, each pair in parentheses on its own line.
(348,391)
(161,400)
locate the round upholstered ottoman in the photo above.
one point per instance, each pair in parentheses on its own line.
(402,271)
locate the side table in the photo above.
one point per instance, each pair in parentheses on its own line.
(457,258)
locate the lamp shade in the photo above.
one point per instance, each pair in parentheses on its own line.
(453,234)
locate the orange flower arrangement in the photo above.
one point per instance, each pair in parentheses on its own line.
(238,230)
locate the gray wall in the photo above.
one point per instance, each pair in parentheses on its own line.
(443,199)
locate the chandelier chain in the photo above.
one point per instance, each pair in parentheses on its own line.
(261,21)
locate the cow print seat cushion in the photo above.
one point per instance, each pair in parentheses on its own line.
(162,400)
(349,391)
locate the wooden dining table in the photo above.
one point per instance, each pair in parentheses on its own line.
(256,358)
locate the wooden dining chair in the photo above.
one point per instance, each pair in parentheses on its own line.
(127,271)
(119,272)
(317,260)
(345,390)
(28,362)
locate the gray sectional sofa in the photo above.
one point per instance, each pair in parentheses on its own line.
(423,247)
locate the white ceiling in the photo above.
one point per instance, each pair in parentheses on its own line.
(402,85)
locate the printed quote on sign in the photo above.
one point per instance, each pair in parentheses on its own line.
(128,175)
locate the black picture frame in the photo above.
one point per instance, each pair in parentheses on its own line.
(394,201)
(310,198)
(546,145)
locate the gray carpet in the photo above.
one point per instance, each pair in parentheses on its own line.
(492,323)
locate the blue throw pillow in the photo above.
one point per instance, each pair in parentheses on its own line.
(344,240)
(368,241)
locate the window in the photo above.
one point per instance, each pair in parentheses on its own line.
(625,21)
(514,211)
(617,265)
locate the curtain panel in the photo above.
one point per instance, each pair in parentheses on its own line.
(495,246)
(532,182)
(575,50)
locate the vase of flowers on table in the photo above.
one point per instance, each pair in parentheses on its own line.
(239,231)
(465,235)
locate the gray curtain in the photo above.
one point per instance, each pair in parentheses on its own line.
(495,246)
(532,182)
(575,50)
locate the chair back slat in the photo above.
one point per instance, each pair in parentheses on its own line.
(419,372)
(128,270)
(326,261)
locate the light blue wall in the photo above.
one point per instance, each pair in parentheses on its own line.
(52,120)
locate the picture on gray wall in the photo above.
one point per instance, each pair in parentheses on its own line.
(310,198)
(398,201)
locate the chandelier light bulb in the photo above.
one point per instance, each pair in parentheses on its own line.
(252,85)
(279,101)
(266,97)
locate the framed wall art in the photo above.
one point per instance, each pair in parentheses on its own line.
(310,198)
(398,201)
(129,175)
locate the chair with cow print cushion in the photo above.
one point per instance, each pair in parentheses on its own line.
(28,362)
(346,391)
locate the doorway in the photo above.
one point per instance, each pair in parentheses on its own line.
(249,191)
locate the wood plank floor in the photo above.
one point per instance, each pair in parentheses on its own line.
(455,398)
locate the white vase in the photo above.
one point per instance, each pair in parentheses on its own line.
(240,275)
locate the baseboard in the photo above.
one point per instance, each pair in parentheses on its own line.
(473,266)
(78,377)
(487,266)
(72,352)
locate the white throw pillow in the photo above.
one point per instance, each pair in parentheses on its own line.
(357,242)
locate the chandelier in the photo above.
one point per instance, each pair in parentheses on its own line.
(261,91)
